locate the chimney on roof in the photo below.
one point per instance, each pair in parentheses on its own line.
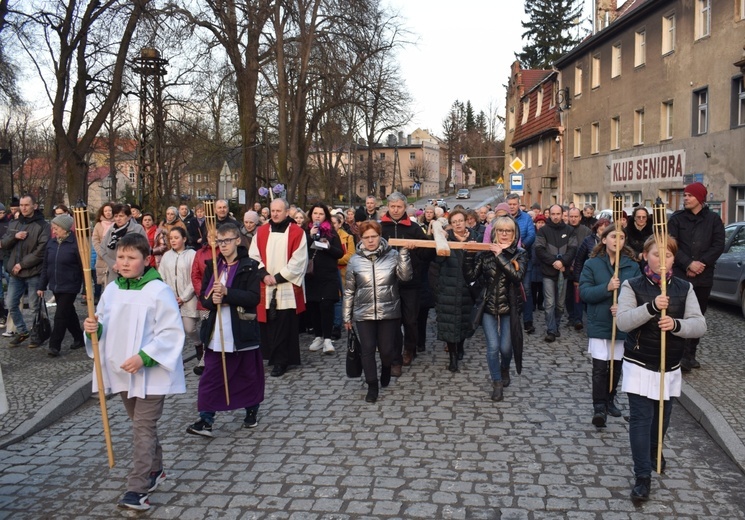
(400,139)
(606,11)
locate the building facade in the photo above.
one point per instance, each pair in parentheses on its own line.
(657,102)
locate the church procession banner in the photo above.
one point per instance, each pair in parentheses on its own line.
(663,166)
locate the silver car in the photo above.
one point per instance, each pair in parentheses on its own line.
(729,272)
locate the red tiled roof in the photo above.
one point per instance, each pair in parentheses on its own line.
(532,77)
(101,144)
(534,126)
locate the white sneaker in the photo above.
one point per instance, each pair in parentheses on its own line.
(328,346)
(9,334)
(316,345)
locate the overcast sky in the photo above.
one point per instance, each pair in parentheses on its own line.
(464,51)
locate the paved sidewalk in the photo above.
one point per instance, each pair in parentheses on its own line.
(434,446)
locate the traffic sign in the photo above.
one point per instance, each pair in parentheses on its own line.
(416,186)
(517,165)
(463,158)
(517,181)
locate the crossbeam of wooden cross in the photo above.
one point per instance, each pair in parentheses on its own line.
(443,247)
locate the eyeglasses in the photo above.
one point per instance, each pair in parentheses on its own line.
(370,237)
(641,217)
(505,231)
(225,241)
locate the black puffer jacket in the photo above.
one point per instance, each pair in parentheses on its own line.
(497,273)
(323,283)
(454,301)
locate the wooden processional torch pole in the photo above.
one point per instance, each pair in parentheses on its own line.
(659,226)
(211,223)
(618,223)
(82,234)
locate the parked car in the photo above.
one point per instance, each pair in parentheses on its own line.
(439,202)
(729,271)
(463,193)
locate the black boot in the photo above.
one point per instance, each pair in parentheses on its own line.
(453,366)
(461,351)
(505,377)
(641,489)
(385,376)
(372,391)
(599,417)
(529,328)
(496,391)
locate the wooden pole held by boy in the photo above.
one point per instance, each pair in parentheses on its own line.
(211,223)
(659,227)
(82,233)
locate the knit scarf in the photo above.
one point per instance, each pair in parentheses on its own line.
(117,234)
(656,278)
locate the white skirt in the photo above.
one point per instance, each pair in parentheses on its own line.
(600,349)
(640,381)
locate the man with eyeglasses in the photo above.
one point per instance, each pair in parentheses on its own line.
(281,249)
(555,247)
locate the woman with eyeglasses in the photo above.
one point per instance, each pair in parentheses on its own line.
(453,298)
(372,301)
(501,271)
(638,230)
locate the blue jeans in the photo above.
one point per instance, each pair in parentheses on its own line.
(554,290)
(644,416)
(498,341)
(16,289)
(573,307)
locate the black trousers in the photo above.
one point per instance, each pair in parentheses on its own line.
(691,344)
(421,325)
(380,334)
(409,318)
(65,318)
(321,317)
(601,392)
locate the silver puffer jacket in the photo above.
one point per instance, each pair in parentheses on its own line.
(372,278)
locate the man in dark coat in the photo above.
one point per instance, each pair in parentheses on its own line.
(555,247)
(397,224)
(24,244)
(367,212)
(573,304)
(700,235)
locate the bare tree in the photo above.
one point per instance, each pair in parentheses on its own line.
(86,46)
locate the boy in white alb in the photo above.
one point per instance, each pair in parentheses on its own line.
(141,337)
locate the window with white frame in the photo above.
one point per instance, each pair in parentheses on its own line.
(577,142)
(131,174)
(640,48)
(555,91)
(412,174)
(741,9)
(362,158)
(412,156)
(668,33)
(596,71)
(615,133)
(595,137)
(632,197)
(703,18)
(588,199)
(738,101)
(577,80)
(539,102)
(540,152)
(511,119)
(529,156)
(382,156)
(199,177)
(666,120)
(739,203)
(639,126)
(701,111)
(526,109)
(615,66)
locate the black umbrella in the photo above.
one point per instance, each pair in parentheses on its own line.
(516,325)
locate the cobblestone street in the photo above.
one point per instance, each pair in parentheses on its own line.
(434,446)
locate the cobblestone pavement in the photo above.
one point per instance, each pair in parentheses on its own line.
(434,446)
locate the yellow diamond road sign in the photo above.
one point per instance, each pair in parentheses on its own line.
(517,165)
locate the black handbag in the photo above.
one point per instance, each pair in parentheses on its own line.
(42,328)
(354,360)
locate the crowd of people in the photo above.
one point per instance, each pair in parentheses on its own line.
(242,294)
